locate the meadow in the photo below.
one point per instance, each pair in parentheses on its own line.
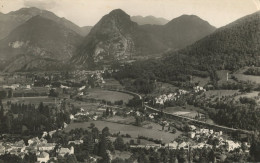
(107,95)
(134,131)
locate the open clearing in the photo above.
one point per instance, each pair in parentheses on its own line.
(32,100)
(112,96)
(220,93)
(134,131)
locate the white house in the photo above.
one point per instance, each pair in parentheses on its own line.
(43,157)
(63,151)
(76,142)
(232,145)
(173,145)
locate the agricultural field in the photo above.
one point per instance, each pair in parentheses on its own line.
(112,84)
(223,77)
(134,131)
(123,120)
(188,110)
(212,94)
(121,154)
(163,88)
(32,100)
(111,96)
(242,77)
(254,94)
(201,81)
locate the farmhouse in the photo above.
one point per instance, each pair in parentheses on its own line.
(43,157)
(232,145)
(63,151)
(173,145)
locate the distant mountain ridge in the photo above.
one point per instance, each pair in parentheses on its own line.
(13,19)
(116,37)
(149,20)
(40,38)
(231,47)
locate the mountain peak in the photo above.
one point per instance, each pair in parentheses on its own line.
(117,12)
(27,11)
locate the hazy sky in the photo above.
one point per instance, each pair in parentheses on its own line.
(89,12)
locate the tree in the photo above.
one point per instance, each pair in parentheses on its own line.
(105,132)
(119,143)
(255,150)
(53,93)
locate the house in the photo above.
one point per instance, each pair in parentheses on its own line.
(211,131)
(52,132)
(192,127)
(77,142)
(173,145)
(44,134)
(232,145)
(46,147)
(34,140)
(81,88)
(153,146)
(183,145)
(63,151)
(192,134)
(200,146)
(151,116)
(43,157)
(2,150)
(95,117)
(72,117)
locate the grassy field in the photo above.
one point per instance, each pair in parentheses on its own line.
(220,93)
(241,76)
(108,95)
(112,84)
(222,74)
(253,94)
(121,154)
(119,119)
(33,100)
(134,131)
(202,81)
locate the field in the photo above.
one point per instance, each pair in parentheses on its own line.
(222,75)
(121,154)
(108,95)
(33,100)
(202,81)
(253,94)
(119,119)
(220,93)
(186,111)
(134,131)
(112,84)
(241,76)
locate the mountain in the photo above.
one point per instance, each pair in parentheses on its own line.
(85,30)
(149,20)
(231,47)
(41,38)
(116,37)
(181,31)
(13,19)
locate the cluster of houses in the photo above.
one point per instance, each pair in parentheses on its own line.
(196,134)
(174,96)
(170,97)
(229,145)
(16,86)
(37,146)
(199,89)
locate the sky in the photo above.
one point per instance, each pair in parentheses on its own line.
(88,12)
